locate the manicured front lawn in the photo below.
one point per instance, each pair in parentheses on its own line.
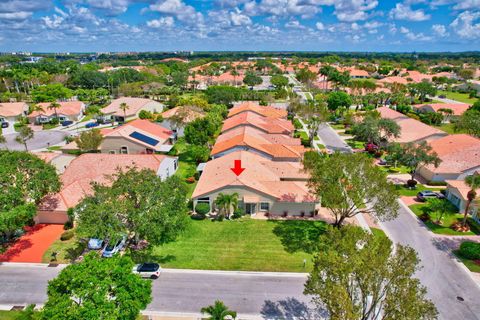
(449,128)
(394,170)
(54,148)
(354,144)
(405,191)
(67,251)
(246,244)
(472,265)
(337,126)
(462,97)
(48,126)
(447,221)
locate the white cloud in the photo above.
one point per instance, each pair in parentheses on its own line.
(405,12)
(163,22)
(180,10)
(20,15)
(294,24)
(239,19)
(440,30)
(319,26)
(466,25)
(414,36)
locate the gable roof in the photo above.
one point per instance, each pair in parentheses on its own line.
(268,125)
(266,111)
(12,109)
(134,104)
(190,114)
(457,108)
(68,108)
(411,130)
(461,187)
(284,181)
(393,79)
(94,167)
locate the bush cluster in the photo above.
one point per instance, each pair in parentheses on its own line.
(470,250)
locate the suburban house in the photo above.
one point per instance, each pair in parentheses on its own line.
(67,110)
(276,147)
(456,193)
(460,155)
(265,111)
(265,124)
(273,187)
(185,114)
(392,79)
(95,167)
(137,137)
(59,160)
(411,130)
(457,108)
(11,111)
(133,107)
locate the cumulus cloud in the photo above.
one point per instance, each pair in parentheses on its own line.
(440,30)
(163,22)
(319,26)
(405,12)
(467,25)
(414,36)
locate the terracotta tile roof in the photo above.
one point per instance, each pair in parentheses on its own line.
(260,174)
(418,76)
(461,186)
(144,127)
(94,167)
(190,114)
(458,152)
(411,130)
(266,111)
(393,79)
(268,125)
(12,109)
(134,104)
(457,108)
(68,108)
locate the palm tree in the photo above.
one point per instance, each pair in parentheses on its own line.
(25,134)
(473,182)
(54,105)
(124,107)
(219,311)
(234,73)
(226,201)
(440,207)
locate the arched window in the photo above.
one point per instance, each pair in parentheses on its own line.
(124,150)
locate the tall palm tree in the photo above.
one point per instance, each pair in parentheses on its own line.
(124,107)
(226,201)
(219,311)
(54,105)
(473,182)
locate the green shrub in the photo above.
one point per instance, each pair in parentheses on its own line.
(202,208)
(470,250)
(238,213)
(297,124)
(68,225)
(67,235)
(306,143)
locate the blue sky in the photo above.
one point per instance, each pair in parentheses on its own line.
(207,25)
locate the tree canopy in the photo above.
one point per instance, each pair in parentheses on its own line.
(356,275)
(348,184)
(338,99)
(138,204)
(89,140)
(414,155)
(469,122)
(97,288)
(374,130)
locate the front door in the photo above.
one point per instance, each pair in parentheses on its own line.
(250,208)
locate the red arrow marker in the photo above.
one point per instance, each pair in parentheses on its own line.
(237,169)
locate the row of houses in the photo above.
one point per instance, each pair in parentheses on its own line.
(273,181)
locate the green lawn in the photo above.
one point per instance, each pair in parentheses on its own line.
(48,126)
(448,220)
(404,191)
(449,128)
(392,170)
(462,97)
(10,315)
(472,265)
(67,251)
(245,244)
(54,148)
(338,126)
(355,144)
(87,117)
(186,165)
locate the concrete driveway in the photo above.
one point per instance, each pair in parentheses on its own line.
(41,140)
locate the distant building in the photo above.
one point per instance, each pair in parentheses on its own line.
(68,110)
(134,106)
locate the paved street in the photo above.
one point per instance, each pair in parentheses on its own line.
(41,139)
(332,140)
(277,296)
(444,279)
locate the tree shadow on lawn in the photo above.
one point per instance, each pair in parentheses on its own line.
(299,235)
(148,255)
(291,308)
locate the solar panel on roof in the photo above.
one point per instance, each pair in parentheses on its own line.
(144,138)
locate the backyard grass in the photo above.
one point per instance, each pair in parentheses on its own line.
(186,165)
(472,265)
(448,220)
(355,144)
(337,126)
(449,128)
(405,191)
(462,97)
(394,170)
(67,251)
(245,244)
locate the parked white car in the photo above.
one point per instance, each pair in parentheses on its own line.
(114,247)
(147,270)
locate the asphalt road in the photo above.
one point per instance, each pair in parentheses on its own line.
(41,139)
(251,294)
(332,140)
(444,279)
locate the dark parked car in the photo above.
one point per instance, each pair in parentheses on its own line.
(91,125)
(426,194)
(5,125)
(442,96)
(147,270)
(67,123)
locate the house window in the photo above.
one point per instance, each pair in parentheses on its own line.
(204,199)
(124,150)
(112,152)
(264,206)
(175,164)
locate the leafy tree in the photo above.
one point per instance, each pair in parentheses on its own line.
(415,155)
(138,204)
(314,113)
(348,184)
(199,131)
(422,90)
(357,275)
(222,94)
(252,79)
(227,202)
(124,107)
(51,93)
(306,76)
(279,81)
(54,105)
(376,131)
(432,118)
(24,134)
(219,311)
(144,114)
(97,288)
(476,106)
(339,99)
(199,153)
(90,79)
(440,207)
(89,140)
(15,219)
(469,122)
(473,181)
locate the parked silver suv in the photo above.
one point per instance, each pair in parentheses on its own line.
(148,270)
